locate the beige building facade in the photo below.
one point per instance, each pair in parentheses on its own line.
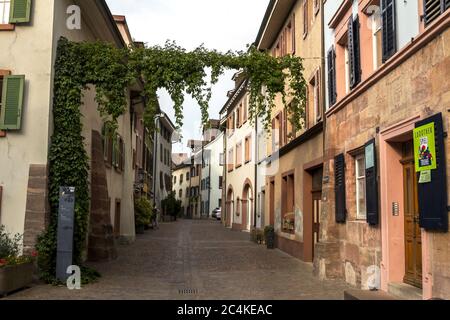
(31,52)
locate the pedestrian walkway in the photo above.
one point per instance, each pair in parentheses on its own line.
(192,259)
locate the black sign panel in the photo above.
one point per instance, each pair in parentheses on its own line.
(433,210)
(65,231)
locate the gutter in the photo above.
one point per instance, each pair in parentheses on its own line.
(104,9)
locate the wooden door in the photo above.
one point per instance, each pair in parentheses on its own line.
(413,235)
(316,208)
(117,220)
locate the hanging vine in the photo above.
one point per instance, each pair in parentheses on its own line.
(81,66)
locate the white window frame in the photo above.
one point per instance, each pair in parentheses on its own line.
(376,27)
(5,6)
(359,215)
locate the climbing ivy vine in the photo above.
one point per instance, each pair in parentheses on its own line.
(85,66)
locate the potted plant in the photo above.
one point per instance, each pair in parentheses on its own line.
(269,236)
(16,270)
(143,214)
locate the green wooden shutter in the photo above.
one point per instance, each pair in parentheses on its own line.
(20,11)
(12,100)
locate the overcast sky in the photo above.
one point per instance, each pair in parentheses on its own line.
(218,24)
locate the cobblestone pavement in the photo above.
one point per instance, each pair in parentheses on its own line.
(203,256)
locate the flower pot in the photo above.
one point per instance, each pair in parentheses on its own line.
(15,277)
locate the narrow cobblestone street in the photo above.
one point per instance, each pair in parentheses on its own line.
(214,262)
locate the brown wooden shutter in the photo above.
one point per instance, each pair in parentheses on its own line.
(340,201)
(433,195)
(388,28)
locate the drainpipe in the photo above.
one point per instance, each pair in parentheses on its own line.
(322,14)
(255,198)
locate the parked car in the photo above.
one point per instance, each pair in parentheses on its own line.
(219,214)
(216,214)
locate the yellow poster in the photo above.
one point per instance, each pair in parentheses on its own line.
(424,148)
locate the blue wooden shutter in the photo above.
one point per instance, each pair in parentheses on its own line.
(433,195)
(20,11)
(388,28)
(339,172)
(371,183)
(12,102)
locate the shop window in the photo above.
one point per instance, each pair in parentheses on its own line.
(288,205)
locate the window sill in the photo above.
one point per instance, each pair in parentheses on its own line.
(238,166)
(7,27)
(247,161)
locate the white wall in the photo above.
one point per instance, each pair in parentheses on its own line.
(214,170)
(26,51)
(330,8)
(407,21)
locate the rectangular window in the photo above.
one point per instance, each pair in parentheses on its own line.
(305,18)
(288,203)
(248,149)
(220,182)
(4,11)
(377,40)
(230,160)
(294,42)
(389,28)
(181,178)
(180,194)
(221,159)
(161,152)
(354,52)
(316,7)
(244,110)
(187,176)
(239,154)
(360,175)
(276,133)
(238,116)
(174,179)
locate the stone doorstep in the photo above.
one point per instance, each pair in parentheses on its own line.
(356,294)
(404,291)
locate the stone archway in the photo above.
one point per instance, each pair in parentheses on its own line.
(229,205)
(247,205)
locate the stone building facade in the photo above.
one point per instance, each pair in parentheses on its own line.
(292,168)
(377,228)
